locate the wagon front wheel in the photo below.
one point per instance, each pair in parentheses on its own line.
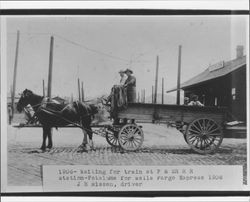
(112,138)
(204,135)
(130,137)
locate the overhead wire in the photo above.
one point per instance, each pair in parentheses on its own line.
(135,60)
(91,49)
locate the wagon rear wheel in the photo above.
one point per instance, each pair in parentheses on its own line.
(130,137)
(204,135)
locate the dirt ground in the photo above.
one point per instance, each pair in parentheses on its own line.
(161,146)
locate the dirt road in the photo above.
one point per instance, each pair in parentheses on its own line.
(162,146)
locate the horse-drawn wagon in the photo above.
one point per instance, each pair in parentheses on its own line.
(202,127)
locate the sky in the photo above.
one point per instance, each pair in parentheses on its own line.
(95,48)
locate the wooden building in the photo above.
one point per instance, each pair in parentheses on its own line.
(222,84)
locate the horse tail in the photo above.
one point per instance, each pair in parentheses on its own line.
(86,111)
(81,109)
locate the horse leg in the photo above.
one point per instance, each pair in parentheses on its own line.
(45,134)
(50,143)
(90,134)
(84,146)
(85,138)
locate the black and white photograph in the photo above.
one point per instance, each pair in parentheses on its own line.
(125,102)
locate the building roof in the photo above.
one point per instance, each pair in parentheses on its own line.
(214,71)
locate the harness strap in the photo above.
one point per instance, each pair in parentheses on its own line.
(75,124)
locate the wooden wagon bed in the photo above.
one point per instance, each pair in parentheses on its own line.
(158,112)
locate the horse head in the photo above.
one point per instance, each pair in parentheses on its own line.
(24,100)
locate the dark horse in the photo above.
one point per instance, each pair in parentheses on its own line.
(51,113)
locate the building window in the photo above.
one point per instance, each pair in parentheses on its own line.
(233,93)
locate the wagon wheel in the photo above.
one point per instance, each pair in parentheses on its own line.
(130,137)
(204,135)
(112,138)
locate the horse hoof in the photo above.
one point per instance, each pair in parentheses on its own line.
(34,151)
(43,148)
(92,148)
(81,150)
(47,149)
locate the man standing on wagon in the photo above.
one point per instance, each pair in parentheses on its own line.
(130,84)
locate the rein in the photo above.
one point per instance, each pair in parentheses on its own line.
(53,112)
(34,105)
(73,123)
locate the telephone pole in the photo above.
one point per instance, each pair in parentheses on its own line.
(144,95)
(156,78)
(162,92)
(152,94)
(79,92)
(50,66)
(43,89)
(82,93)
(179,77)
(15,73)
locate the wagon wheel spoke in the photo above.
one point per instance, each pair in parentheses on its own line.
(134,143)
(198,129)
(135,130)
(125,143)
(204,124)
(124,136)
(126,131)
(211,126)
(201,128)
(207,144)
(195,132)
(192,138)
(115,141)
(202,144)
(137,141)
(210,132)
(112,139)
(197,141)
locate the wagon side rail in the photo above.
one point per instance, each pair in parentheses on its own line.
(144,112)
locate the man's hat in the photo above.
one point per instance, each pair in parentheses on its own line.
(121,71)
(128,70)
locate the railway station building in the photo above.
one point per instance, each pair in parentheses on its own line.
(222,84)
